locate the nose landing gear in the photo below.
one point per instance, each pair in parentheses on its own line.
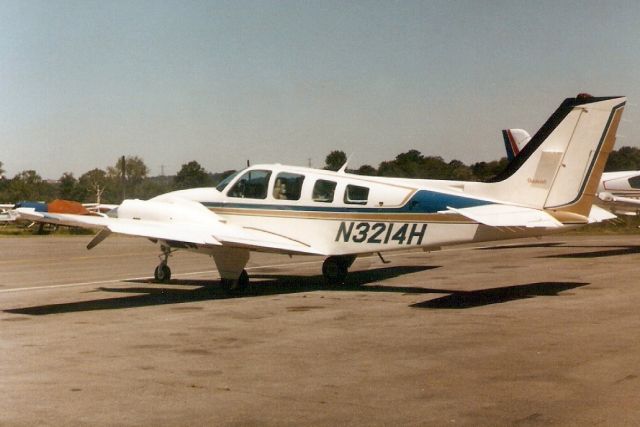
(162,273)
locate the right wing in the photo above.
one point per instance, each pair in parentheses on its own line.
(626,205)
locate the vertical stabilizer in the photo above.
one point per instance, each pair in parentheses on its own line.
(560,167)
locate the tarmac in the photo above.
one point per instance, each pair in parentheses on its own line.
(528,332)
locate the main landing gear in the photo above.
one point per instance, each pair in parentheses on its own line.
(235,286)
(162,273)
(230,263)
(335,268)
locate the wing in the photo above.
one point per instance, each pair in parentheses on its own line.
(212,231)
(623,205)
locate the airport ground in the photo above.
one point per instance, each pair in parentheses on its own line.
(532,332)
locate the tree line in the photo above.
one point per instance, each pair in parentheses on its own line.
(129,176)
(413,164)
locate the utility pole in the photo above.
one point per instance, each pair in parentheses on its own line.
(124,178)
(99,192)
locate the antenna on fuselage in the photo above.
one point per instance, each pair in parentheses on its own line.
(248,163)
(344,167)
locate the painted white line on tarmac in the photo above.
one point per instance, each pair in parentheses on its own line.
(68,285)
(103,282)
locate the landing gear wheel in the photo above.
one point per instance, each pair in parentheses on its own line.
(335,269)
(162,273)
(237,286)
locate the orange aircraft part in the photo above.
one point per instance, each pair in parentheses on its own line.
(67,206)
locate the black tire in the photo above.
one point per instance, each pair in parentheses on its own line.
(335,269)
(162,273)
(348,261)
(236,287)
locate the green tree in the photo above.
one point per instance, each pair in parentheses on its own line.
(459,171)
(390,168)
(624,159)
(4,184)
(192,175)
(366,170)
(27,185)
(483,171)
(335,160)
(127,175)
(154,186)
(67,186)
(94,186)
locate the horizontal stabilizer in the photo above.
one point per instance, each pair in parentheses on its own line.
(597,214)
(496,215)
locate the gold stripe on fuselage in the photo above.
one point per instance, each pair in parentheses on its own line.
(346,216)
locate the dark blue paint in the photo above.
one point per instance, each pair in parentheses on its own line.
(424,201)
(39,207)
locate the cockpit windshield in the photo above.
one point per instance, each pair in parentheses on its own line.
(223,184)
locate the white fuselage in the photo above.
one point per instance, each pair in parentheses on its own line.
(360,214)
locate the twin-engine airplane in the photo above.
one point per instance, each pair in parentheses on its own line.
(549,187)
(618,192)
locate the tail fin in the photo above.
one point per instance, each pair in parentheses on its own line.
(514,141)
(560,168)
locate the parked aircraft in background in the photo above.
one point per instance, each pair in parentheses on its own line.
(5,213)
(548,188)
(618,192)
(8,211)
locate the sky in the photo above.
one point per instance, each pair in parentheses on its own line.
(223,82)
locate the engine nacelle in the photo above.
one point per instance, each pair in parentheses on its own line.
(178,210)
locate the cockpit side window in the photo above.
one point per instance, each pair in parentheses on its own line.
(356,195)
(288,186)
(223,184)
(323,191)
(252,185)
(634,181)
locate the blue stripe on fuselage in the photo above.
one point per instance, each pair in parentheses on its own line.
(423,201)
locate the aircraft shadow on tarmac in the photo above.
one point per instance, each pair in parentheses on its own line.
(481,297)
(159,294)
(521,246)
(610,251)
(357,281)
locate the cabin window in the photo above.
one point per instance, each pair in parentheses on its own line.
(252,185)
(323,191)
(288,186)
(356,195)
(634,181)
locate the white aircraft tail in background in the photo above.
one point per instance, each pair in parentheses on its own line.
(514,141)
(549,187)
